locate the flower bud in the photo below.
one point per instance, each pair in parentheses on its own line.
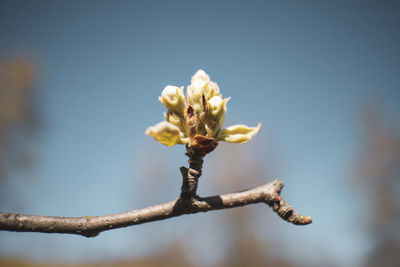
(200,75)
(215,105)
(196,91)
(194,98)
(211,90)
(215,115)
(173,99)
(197,119)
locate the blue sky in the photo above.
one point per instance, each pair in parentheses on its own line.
(304,69)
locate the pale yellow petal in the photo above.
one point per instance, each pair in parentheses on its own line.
(238,133)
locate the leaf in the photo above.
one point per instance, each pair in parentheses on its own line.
(238,133)
(166,133)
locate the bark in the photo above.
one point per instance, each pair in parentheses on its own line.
(187,203)
(91,226)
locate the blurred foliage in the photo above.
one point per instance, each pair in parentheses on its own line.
(379,176)
(248,245)
(135,263)
(18,117)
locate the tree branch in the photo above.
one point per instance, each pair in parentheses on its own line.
(91,226)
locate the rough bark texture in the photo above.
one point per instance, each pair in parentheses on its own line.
(190,177)
(90,226)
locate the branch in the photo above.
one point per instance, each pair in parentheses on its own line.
(91,226)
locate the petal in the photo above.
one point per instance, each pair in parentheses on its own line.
(166,133)
(238,133)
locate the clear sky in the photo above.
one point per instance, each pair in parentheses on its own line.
(304,69)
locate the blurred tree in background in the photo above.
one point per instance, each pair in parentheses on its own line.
(379,176)
(237,228)
(246,246)
(18,116)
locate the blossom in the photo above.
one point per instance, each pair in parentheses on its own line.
(197,118)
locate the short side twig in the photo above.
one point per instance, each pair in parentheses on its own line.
(90,226)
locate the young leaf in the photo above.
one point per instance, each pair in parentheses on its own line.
(238,133)
(166,133)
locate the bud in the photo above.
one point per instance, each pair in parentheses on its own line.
(216,106)
(200,75)
(194,98)
(211,90)
(215,115)
(196,91)
(197,119)
(173,99)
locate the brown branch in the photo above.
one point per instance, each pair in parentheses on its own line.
(90,226)
(190,177)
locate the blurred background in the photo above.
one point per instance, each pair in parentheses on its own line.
(79,84)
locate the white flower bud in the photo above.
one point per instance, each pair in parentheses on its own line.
(173,99)
(215,115)
(198,117)
(194,98)
(211,90)
(215,104)
(200,75)
(197,90)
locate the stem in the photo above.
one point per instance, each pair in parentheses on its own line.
(190,177)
